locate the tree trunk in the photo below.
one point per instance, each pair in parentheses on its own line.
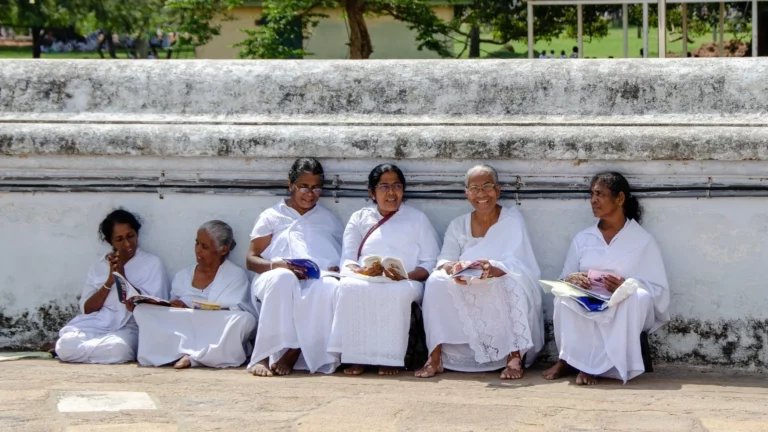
(36,40)
(359,39)
(474,42)
(111,46)
(762,29)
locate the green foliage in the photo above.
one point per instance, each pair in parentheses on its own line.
(193,19)
(281,22)
(593,21)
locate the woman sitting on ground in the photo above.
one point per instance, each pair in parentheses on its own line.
(373,307)
(493,321)
(295,312)
(106,331)
(607,343)
(214,338)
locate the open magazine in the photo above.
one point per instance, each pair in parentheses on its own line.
(594,300)
(392,264)
(473,270)
(311,269)
(203,305)
(126,291)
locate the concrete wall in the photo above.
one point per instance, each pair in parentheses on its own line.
(391,39)
(180,146)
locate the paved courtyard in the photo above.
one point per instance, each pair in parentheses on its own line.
(45,395)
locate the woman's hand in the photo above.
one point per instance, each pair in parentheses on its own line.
(177,303)
(115,264)
(129,305)
(448,267)
(579,279)
(612,283)
(392,274)
(334,269)
(489,270)
(297,271)
(374,270)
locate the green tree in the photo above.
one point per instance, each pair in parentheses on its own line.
(38,15)
(506,22)
(292,19)
(192,20)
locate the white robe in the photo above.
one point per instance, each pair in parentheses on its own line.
(216,339)
(607,343)
(481,323)
(110,335)
(294,313)
(372,319)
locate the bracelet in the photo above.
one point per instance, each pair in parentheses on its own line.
(271,263)
(105,286)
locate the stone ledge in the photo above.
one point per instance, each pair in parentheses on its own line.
(682,143)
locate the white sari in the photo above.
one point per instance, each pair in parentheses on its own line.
(213,338)
(607,343)
(295,313)
(372,319)
(110,335)
(480,324)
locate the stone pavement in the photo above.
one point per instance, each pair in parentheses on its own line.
(45,395)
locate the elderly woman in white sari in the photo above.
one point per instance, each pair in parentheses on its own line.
(373,308)
(106,331)
(296,312)
(184,333)
(491,321)
(619,252)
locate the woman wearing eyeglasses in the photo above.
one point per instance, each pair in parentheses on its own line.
(493,319)
(373,306)
(295,312)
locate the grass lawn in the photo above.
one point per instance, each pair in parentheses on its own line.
(612,45)
(26,52)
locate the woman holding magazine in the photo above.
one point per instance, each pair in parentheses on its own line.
(296,303)
(219,337)
(105,332)
(490,319)
(387,253)
(616,254)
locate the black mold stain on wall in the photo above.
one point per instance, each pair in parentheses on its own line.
(33,328)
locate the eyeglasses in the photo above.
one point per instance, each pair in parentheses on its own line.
(304,190)
(487,188)
(385,187)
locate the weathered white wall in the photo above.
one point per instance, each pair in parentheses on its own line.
(178,145)
(715,251)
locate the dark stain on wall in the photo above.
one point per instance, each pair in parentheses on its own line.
(33,328)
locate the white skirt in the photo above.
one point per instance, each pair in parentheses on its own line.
(372,320)
(216,339)
(295,314)
(604,343)
(480,324)
(82,345)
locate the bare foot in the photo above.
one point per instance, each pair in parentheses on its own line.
(388,371)
(586,379)
(354,370)
(262,368)
(284,366)
(183,363)
(429,370)
(559,370)
(514,369)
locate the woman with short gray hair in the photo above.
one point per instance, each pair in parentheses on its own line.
(218,337)
(490,319)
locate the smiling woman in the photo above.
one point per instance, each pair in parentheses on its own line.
(106,332)
(494,320)
(373,306)
(295,312)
